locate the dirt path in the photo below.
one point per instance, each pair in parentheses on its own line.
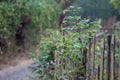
(18,72)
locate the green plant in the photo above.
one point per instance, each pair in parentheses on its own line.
(43,14)
(75,42)
(44,64)
(69,46)
(116,3)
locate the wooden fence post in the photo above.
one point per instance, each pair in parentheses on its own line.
(88,59)
(93,58)
(98,73)
(119,57)
(112,57)
(108,57)
(102,59)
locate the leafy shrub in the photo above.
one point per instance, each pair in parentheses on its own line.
(43,13)
(45,54)
(69,46)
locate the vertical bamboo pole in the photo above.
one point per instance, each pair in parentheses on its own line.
(84,61)
(57,62)
(88,59)
(119,57)
(93,58)
(108,57)
(98,73)
(102,59)
(112,57)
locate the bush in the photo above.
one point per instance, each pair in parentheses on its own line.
(43,14)
(68,45)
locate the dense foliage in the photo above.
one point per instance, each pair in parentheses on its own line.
(65,46)
(116,3)
(43,14)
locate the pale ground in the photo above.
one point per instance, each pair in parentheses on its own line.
(18,72)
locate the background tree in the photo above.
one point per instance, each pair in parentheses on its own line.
(116,4)
(96,8)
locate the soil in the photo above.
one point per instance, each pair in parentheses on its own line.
(19,72)
(8,59)
(15,67)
